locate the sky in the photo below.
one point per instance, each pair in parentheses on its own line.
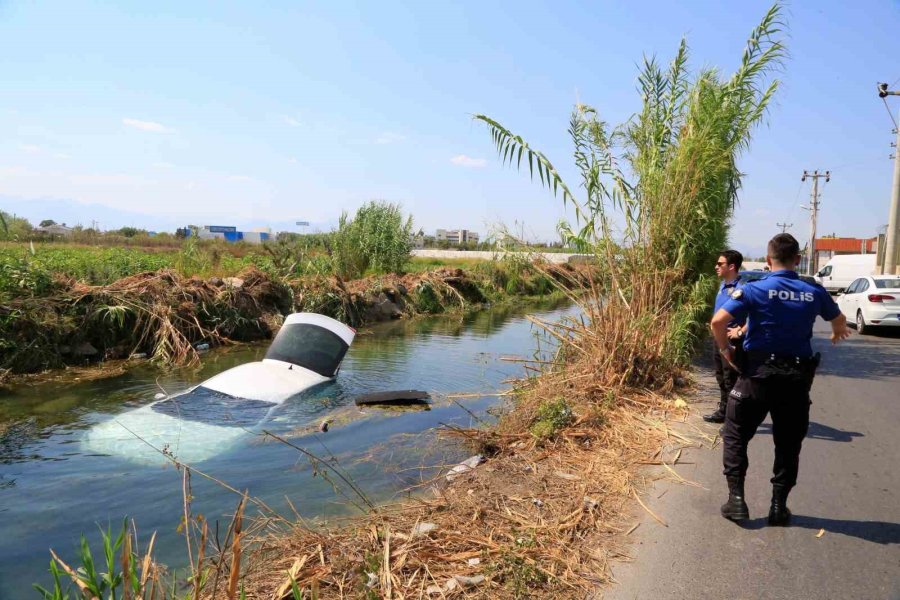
(161,114)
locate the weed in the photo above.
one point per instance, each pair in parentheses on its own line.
(551,417)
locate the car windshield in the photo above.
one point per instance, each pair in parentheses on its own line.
(748,276)
(884,284)
(208,406)
(309,346)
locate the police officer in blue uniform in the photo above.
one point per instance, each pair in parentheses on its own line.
(728,267)
(776,371)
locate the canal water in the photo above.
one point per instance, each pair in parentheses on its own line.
(55,484)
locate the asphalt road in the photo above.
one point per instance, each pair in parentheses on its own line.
(849,485)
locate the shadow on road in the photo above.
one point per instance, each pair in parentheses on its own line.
(818,431)
(877,532)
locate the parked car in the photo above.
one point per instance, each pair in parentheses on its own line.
(872,301)
(839,272)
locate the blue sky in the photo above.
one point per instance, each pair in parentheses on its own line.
(156,114)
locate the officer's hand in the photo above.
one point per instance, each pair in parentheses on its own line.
(734,333)
(728,356)
(840,333)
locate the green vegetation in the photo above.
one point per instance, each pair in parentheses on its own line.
(377,239)
(551,417)
(669,176)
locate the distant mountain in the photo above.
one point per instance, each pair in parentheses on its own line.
(72,212)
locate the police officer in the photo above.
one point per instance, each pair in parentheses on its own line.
(728,267)
(776,371)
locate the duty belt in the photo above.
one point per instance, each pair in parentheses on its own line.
(760,356)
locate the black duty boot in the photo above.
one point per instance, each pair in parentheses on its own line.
(779,515)
(718,416)
(735,509)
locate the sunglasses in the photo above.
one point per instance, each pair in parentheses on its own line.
(721,264)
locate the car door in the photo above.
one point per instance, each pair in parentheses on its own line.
(848,300)
(862,300)
(825,277)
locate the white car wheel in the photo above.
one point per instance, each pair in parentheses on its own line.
(861,326)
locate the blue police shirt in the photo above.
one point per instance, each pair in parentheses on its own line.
(780,312)
(724,295)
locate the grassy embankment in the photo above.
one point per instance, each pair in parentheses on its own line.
(545,515)
(74,304)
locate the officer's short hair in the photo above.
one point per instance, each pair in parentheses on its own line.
(784,248)
(733,257)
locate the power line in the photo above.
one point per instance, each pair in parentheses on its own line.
(890,114)
(796,199)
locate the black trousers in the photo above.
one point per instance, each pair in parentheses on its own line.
(725,375)
(787,399)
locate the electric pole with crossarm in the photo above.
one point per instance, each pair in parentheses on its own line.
(813,209)
(893,231)
(785,226)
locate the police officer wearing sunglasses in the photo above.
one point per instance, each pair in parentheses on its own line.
(776,371)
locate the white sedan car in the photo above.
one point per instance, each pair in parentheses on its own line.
(871,302)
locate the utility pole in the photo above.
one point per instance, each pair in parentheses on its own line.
(893,231)
(813,209)
(785,226)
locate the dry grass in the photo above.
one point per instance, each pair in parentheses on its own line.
(544,515)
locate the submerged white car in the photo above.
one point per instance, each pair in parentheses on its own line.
(871,302)
(207,419)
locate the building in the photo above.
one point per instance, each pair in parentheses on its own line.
(829,247)
(55,229)
(456,236)
(229,233)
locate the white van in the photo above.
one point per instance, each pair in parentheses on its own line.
(842,270)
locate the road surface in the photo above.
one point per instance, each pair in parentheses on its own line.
(849,486)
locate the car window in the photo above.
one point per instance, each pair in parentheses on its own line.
(309,346)
(887,283)
(853,287)
(863,285)
(825,272)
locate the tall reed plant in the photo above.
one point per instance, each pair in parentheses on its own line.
(658,191)
(377,239)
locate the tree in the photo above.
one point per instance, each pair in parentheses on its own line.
(47,223)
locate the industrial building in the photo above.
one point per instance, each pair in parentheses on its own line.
(456,236)
(230,233)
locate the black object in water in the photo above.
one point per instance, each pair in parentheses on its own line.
(396,397)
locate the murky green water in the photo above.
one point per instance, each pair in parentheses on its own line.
(53,487)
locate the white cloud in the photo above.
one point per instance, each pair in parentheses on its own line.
(239,178)
(61,155)
(163,165)
(293,160)
(389,137)
(30,148)
(462,160)
(292,121)
(762,212)
(147,126)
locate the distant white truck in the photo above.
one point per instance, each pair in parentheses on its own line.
(842,270)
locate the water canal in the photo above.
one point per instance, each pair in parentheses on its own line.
(54,485)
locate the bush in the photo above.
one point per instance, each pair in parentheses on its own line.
(376,240)
(552,416)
